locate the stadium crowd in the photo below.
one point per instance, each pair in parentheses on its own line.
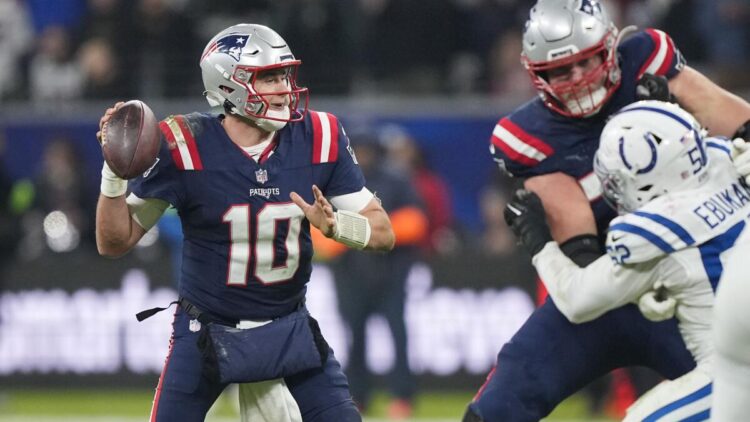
(52,50)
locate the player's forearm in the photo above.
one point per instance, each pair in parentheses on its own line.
(581,294)
(382,237)
(715,108)
(114,226)
(726,115)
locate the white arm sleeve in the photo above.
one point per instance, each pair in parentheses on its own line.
(583,294)
(353,202)
(146,212)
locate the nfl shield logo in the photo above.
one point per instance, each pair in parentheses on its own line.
(261,176)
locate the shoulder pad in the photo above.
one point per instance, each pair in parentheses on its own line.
(515,149)
(325,137)
(644,235)
(181,142)
(719,146)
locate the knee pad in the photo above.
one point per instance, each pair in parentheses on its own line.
(470,416)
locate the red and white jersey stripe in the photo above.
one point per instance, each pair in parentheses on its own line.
(181,143)
(519,145)
(662,57)
(325,137)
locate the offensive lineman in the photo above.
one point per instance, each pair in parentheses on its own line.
(585,71)
(684,211)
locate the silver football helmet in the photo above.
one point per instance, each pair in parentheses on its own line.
(560,33)
(649,149)
(230,65)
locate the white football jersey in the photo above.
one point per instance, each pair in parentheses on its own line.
(682,239)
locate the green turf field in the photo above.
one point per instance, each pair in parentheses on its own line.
(132,406)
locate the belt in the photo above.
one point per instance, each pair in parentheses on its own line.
(205,318)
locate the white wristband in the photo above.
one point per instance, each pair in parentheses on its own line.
(112,186)
(352,229)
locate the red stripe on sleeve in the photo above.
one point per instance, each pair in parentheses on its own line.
(664,68)
(192,146)
(655,37)
(167,131)
(333,152)
(525,137)
(513,154)
(317,137)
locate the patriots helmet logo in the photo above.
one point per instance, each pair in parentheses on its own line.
(591,7)
(232,45)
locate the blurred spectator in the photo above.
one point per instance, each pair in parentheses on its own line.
(507,78)
(406,156)
(15,40)
(165,63)
(109,25)
(110,20)
(62,13)
(408,45)
(101,71)
(11,207)
(54,75)
(484,27)
(724,24)
(375,283)
(212,16)
(376,46)
(497,239)
(318,28)
(62,215)
(681,21)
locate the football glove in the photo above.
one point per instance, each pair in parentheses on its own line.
(655,305)
(653,87)
(526,218)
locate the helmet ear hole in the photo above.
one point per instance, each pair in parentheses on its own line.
(226,89)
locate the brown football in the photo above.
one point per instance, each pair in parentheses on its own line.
(131,139)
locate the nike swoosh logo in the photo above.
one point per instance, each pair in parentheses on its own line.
(513,209)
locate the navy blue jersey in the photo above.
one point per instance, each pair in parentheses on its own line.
(247,249)
(534,140)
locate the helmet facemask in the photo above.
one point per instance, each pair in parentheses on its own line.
(614,186)
(258,106)
(585,96)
